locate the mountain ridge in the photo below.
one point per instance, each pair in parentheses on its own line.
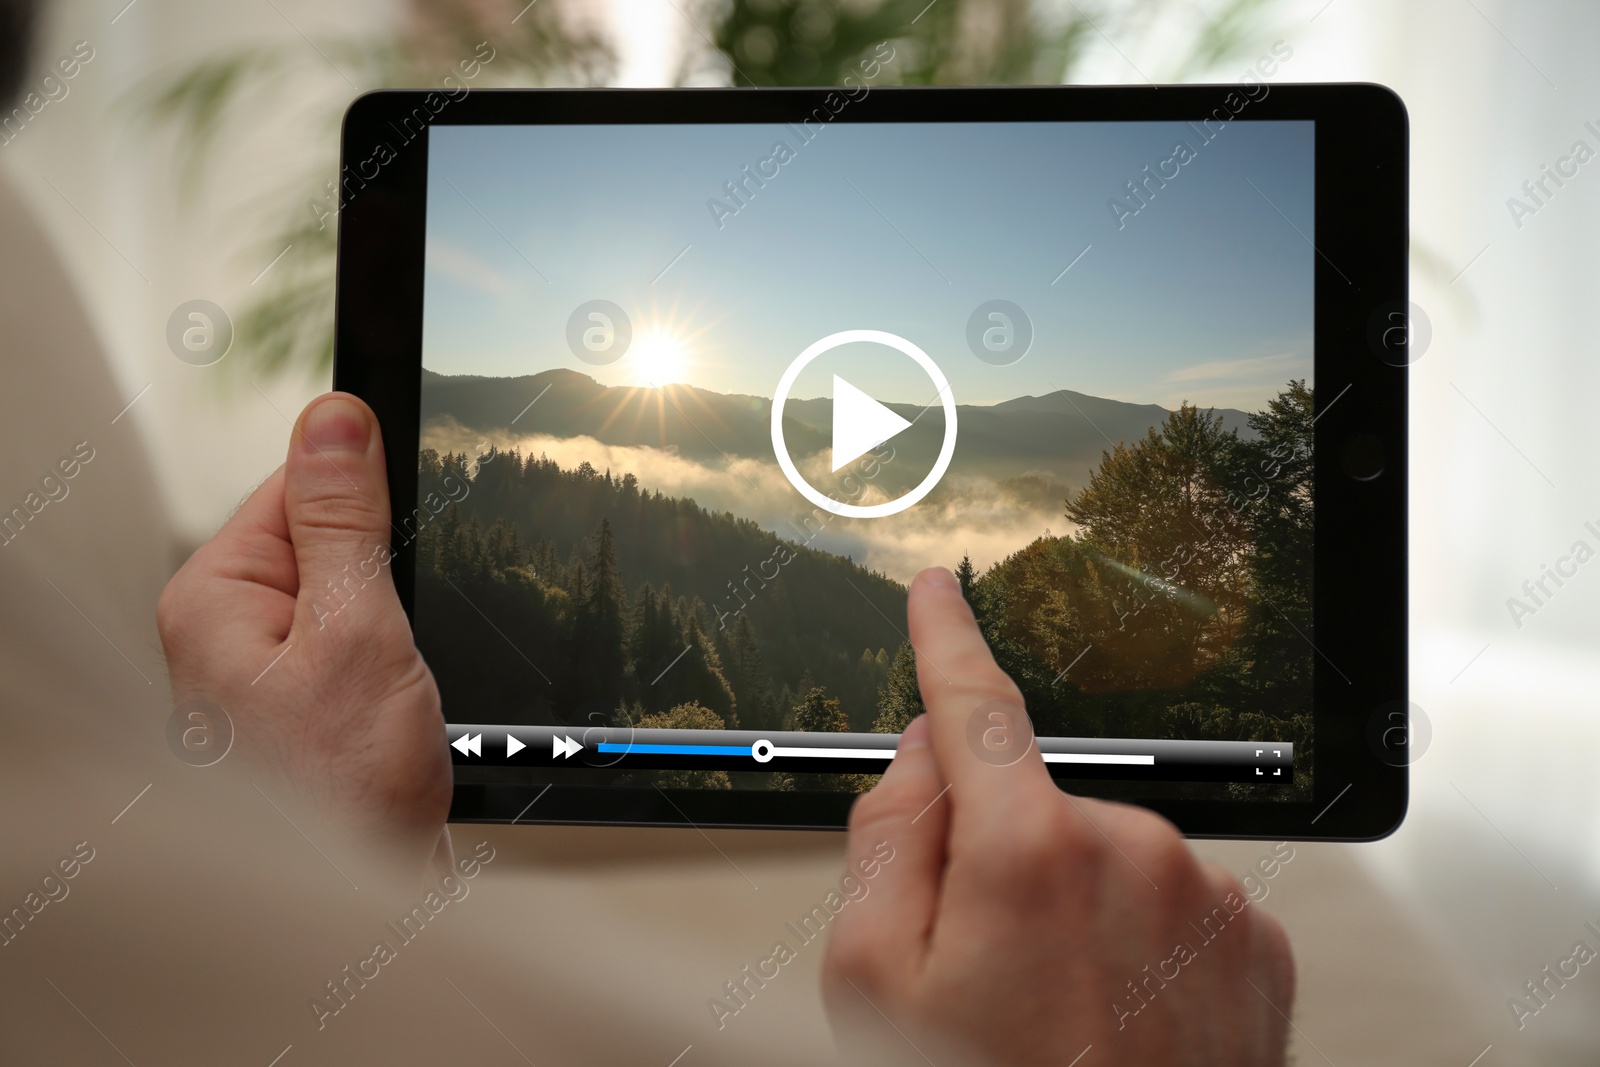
(1061,434)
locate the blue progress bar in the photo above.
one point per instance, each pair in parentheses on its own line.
(675,750)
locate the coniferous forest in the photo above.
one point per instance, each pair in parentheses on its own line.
(1179,607)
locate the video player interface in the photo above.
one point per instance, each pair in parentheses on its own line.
(699,401)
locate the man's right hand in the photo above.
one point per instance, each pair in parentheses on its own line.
(1017,925)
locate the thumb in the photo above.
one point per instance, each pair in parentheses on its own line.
(336,501)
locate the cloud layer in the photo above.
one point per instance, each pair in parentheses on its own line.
(985,519)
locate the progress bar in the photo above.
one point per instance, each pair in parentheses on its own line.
(625,748)
(762,751)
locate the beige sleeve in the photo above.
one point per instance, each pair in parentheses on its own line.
(85,545)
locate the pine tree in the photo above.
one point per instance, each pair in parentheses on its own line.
(748,675)
(473,558)
(657,644)
(596,655)
(500,547)
(966,575)
(900,699)
(448,553)
(606,598)
(640,652)
(698,675)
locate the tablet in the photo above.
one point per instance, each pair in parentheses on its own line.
(679,389)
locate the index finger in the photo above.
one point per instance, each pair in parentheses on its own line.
(968,696)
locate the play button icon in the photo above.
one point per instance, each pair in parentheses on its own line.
(861,423)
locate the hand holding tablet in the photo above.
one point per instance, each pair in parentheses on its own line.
(284,631)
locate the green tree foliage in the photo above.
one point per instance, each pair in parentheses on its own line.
(952,42)
(698,673)
(691,716)
(654,640)
(1158,514)
(596,653)
(818,713)
(1180,607)
(1275,475)
(747,674)
(966,575)
(288,324)
(900,699)
(523,577)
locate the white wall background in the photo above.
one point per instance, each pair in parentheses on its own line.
(1500,857)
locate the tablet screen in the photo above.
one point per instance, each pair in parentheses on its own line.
(698,401)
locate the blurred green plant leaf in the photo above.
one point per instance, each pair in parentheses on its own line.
(288,324)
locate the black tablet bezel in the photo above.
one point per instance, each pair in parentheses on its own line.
(1360,569)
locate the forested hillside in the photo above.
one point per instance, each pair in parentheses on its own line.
(600,585)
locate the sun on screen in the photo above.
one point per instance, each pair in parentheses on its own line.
(660,358)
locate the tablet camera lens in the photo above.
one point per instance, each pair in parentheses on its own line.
(1363,457)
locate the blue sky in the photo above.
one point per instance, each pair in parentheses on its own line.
(1206,294)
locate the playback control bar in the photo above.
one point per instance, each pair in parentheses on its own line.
(625,748)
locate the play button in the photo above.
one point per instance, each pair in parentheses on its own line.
(860,423)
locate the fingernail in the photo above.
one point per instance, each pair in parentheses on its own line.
(336,424)
(941,578)
(915,735)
